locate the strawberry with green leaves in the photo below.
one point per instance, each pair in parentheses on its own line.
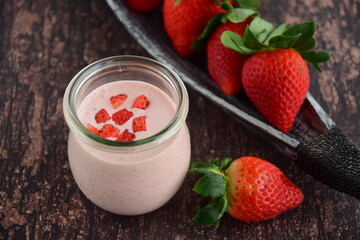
(224,65)
(184,20)
(248,188)
(276,77)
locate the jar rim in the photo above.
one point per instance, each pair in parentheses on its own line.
(120,61)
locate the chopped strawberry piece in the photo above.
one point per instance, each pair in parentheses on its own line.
(141,102)
(126,136)
(117,100)
(139,124)
(109,131)
(92,129)
(122,116)
(102,116)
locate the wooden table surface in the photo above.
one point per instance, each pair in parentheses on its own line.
(43,44)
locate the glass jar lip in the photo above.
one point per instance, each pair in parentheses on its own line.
(87,72)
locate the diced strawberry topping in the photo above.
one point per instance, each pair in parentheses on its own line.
(139,124)
(109,131)
(126,136)
(92,129)
(102,116)
(141,102)
(122,116)
(117,100)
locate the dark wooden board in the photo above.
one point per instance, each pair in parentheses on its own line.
(44,44)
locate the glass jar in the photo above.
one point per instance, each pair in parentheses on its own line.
(128,178)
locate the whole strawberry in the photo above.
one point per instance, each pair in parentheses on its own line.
(248,188)
(144,6)
(184,20)
(277,82)
(258,190)
(276,78)
(223,63)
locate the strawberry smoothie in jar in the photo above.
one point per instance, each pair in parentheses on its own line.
(129,146)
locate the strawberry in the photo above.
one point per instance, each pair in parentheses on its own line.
(259,187)
(102,116)
(184,20)
(109,131)
(248,188)
(277,81)
(117,100)
(126,136)
(143,6)
(139,124)
(141,102)
(224,65)
(92,129)
(276,78)
(122,116)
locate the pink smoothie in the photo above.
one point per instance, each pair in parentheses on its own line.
(132,182)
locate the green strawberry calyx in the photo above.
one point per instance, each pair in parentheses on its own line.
(212,183)
(242,10)
(260,35)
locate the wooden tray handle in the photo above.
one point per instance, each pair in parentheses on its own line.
(334,160)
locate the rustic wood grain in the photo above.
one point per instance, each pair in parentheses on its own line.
(44,43)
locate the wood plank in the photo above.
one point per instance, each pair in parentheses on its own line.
(44,44)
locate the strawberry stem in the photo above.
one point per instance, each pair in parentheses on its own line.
(235,15)
(211,213)
(212,183)
(260,35)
